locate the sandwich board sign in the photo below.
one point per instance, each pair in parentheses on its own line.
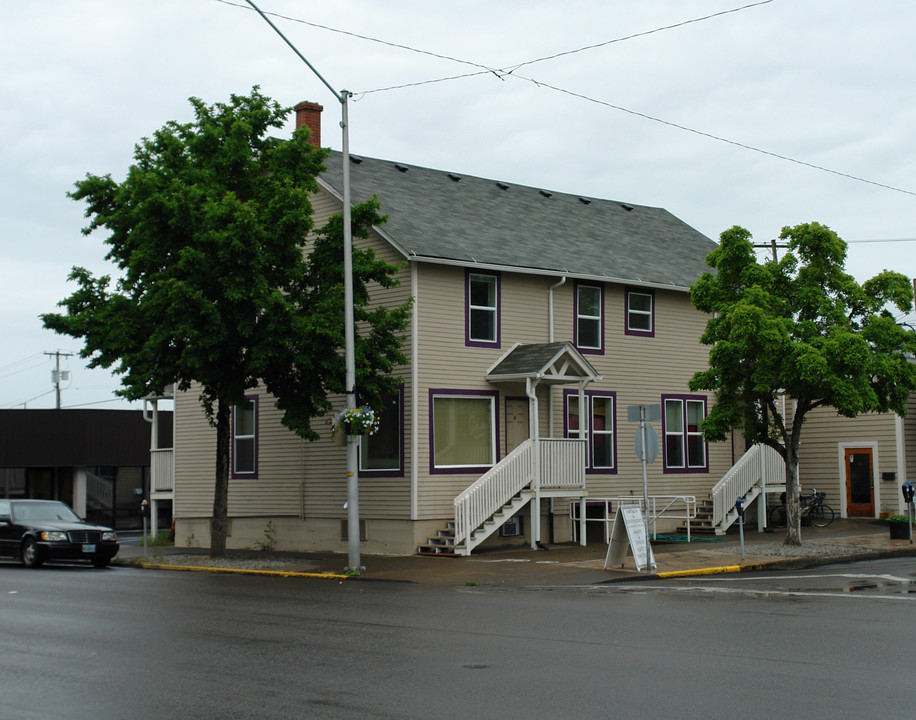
(629,530)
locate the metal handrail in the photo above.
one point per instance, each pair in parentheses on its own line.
(667,502)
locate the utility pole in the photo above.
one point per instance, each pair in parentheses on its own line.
(55,374)
(353,536)
(773,246)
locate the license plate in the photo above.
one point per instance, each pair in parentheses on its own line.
(88,548)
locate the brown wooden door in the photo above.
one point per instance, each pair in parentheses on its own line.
(860,490)
(516,423)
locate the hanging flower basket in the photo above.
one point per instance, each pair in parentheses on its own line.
(355,421)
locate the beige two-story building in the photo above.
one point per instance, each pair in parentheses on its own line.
(539,317)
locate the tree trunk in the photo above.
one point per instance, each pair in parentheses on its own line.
(221,485)
(793,519)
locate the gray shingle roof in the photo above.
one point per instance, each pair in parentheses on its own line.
(540,361)
(446,217)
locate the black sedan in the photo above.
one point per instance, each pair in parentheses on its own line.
(39,530)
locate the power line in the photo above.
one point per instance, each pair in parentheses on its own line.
(882,240)
(25,402)
(502,73)
(639,34)
(718,138)
(13,364)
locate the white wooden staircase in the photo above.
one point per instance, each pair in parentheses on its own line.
(444,542)
(760,471)
(546,468)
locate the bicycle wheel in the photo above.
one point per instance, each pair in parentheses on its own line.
(778,516)
(821,515)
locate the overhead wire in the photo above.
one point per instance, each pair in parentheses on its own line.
(509,71)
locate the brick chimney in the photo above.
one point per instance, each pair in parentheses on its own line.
(309,114)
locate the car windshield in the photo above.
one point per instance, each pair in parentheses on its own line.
(44,511)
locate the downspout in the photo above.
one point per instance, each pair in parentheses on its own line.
(414,405)
(153,447)
(550,339)
(901,462)
(531,392)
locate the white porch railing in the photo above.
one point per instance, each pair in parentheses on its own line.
(758,461)
(493,490)
(162,471)
(562,464)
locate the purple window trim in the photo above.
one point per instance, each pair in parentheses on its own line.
(400,471)
(626,312)
(470,469)
(588,350)
(232,472)
(589,470)
(467,310)
(664,439)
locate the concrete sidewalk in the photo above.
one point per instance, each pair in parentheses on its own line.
(562,565)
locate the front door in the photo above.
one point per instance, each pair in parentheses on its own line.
(860,490)
(516,422)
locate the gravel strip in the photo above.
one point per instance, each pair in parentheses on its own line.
(228,562)
(813,550)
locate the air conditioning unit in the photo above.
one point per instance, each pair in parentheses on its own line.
(512,527)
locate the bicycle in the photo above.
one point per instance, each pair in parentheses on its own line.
(819,513)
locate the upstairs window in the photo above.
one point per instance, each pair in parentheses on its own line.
(640,313)
(482,310)
(245,438)
(685,448)
(589,328)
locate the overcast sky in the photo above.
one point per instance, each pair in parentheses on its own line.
(720,120)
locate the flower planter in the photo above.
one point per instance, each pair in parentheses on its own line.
(899,530)
(353,421)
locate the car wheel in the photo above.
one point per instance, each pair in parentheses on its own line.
(101,561)
(30,555)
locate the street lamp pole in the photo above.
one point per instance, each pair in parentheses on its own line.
(343,96)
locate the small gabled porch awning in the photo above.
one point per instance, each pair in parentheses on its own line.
(553,363)
(557,363)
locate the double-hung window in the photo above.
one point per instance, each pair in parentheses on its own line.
(589,328)
(463,430)
(382,453)
(245,438)
(640,312)
(599,427)
(685,448)
(482,309)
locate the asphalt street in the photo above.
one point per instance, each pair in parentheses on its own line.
(123,642)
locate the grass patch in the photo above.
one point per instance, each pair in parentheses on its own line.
(159,540)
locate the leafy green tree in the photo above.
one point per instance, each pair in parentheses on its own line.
(804,327)
(216,287)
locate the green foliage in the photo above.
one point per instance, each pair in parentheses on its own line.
(801,325)
(269,541)
(215,283)
(804,326)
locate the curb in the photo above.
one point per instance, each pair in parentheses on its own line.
(703,571)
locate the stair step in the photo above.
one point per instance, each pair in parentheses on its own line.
(438,550)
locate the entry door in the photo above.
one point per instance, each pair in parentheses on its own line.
(516,423)
(860,490)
